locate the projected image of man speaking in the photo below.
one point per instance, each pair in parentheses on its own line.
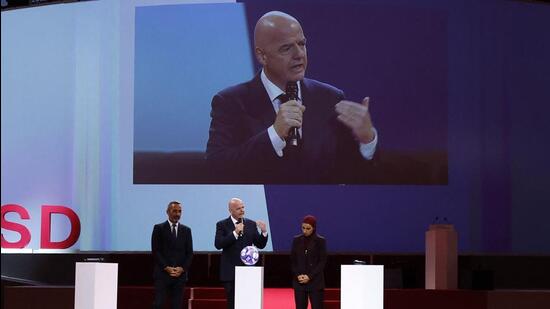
(281,127)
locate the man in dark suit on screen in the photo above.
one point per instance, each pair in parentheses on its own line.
(281,127)
(172,250)
(232,235)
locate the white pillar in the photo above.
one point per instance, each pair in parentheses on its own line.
(362,286)
(96,286)
(249,287)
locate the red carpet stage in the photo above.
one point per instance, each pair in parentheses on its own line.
(59,297)
(46,281)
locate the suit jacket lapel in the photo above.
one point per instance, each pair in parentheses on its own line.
(229,224)
(317,118)
(258,102)
(309,119)
(180,231)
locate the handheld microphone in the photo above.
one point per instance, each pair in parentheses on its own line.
(292,94)
(239,221)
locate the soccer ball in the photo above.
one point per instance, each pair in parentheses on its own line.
(250,255)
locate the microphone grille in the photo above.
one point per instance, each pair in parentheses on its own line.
(292,90)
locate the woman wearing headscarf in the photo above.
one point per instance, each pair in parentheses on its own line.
(308,258)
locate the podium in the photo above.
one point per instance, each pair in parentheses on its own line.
(96,286)
(249,287)
(362,286)
(441,257)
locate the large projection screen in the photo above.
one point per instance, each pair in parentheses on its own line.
(101,84)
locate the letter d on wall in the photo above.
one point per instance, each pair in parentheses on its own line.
(45,233)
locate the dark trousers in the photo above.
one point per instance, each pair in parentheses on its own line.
(316,298)
(173,287)
(229,287)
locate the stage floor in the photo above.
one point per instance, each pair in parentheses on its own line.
(60,297)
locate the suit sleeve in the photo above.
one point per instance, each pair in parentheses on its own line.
(156,244)
(230,139)
(260,240)
(223,239)
(294,257)
(188,250)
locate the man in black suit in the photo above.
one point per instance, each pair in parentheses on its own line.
(172,249)
(249,130)
(232,235)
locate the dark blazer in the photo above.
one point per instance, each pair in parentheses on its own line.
(169,252)
(239,149)
(311,262)
(231,247)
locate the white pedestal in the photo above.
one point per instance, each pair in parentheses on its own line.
(249,287)
(96,286)
(362,287)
